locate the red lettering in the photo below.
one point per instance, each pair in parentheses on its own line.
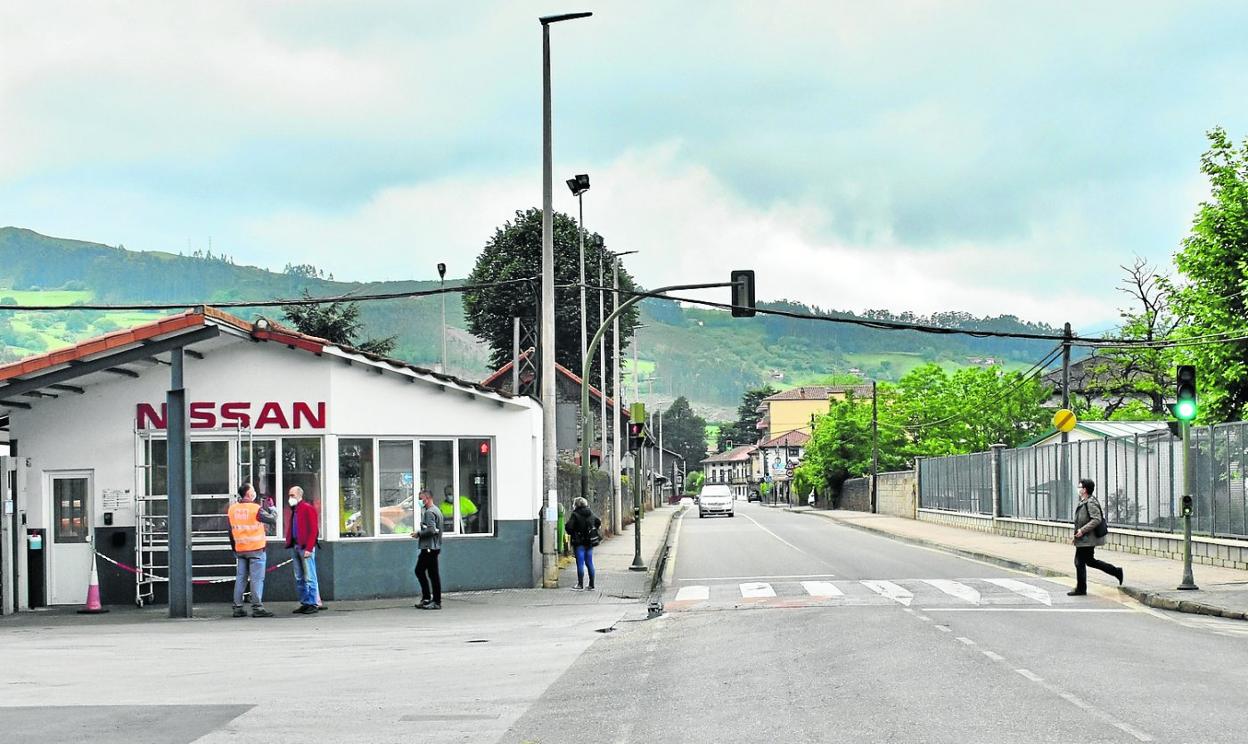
(202,416)
(148,418)
(272,414)
(235,414)
(303,412)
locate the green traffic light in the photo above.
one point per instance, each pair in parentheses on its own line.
(1185,410)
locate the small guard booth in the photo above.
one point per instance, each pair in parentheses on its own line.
(276,408)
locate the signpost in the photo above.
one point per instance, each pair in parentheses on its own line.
(1064,420)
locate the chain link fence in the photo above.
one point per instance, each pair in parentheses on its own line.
(1139,480)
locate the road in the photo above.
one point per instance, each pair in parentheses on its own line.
(783,627)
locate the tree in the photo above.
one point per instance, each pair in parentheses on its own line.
(515,252)
(745,429)
(336,322)
(684,432)
(1121,376)
(1213,298)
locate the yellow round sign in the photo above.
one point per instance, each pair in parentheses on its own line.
(1064,420)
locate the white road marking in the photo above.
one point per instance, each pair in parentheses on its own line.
(1030,675)
(924,618)
(1026,609)
(693,593)
(752,590)
(955,589)
(821,589)
(890,590)
(944,628)
(781,539)
(1023,588)
(765,578)
(994,656)
(966,640)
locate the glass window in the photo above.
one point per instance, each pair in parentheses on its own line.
(301,466)
(474,485)
(260,470)
(398,497)
(437,474)
(158,470)
(210,486)
(355,487)
(69,504)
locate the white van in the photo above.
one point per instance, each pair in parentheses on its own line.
(715,499)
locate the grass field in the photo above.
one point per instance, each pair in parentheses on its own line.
(48,297)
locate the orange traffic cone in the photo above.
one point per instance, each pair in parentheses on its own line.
(93,593)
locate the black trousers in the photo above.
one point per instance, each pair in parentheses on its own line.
(427,575)
(1085,557)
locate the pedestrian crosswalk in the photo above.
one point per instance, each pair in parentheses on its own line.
(904,592)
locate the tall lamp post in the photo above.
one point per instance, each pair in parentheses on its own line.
(550,507)
(579,185)
(442,279)
(617,484)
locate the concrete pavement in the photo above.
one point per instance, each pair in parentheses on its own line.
(1223,591)
(613,558)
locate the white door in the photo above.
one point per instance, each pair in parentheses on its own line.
(69,549)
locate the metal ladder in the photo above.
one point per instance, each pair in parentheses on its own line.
(209,531)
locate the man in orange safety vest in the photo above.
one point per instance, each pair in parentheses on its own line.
(248,540)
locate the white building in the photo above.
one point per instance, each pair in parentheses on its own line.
(275,408)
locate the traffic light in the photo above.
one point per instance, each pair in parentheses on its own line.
(743,293)
(636,435)
(1187,506)
(1185,396)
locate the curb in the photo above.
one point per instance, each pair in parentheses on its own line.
(1145,597)
(659,562)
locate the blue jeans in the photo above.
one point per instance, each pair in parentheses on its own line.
(305,586)
(250,567)
(584,559)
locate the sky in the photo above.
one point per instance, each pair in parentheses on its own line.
(988,157)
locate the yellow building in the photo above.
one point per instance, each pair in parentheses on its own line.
(792,410)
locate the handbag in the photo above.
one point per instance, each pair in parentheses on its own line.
(1102,527)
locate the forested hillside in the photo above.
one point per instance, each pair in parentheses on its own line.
(701,353)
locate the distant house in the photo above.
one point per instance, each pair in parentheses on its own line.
(568,406)
(791,410)
(731,467)
(777,456)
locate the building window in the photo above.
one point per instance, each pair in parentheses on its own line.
(259,468)
(355,487)
(437,475)
(301,466)
(210,486)
(69,507)
(474,485)
(397,492)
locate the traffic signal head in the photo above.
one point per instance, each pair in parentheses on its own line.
(743,293)
(1187,506)
(1185,395)
(636,435)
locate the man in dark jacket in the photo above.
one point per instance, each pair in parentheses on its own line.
(1088,514)
(430,536)
(301,532)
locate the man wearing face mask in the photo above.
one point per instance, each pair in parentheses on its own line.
(301,528)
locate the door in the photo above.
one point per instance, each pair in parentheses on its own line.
(69,552)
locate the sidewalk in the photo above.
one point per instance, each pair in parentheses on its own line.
(614,556)
(1223,591)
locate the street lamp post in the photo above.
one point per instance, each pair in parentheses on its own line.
(442,279)
(550,507)
(579,185)
(617,525)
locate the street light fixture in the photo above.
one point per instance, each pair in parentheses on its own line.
(550,507)
(442,279)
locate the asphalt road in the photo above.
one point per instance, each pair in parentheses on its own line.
(787,628)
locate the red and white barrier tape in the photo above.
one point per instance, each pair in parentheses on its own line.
(155,577)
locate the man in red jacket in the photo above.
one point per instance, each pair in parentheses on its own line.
(302,525)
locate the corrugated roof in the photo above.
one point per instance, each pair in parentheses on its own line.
(1121,428)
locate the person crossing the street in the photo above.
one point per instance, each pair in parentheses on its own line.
(1088,516)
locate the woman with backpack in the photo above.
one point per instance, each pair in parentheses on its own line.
(582,528)
(1090,531)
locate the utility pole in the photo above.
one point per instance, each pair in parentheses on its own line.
(875,448)
(1066,374)
(550,475)
(613,429)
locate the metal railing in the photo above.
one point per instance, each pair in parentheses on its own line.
(1139,480)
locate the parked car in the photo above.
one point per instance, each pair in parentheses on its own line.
(754,496)
(715,499)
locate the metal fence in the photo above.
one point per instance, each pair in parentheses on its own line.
(1139,480)
(961,483)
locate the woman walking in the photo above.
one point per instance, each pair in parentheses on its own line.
(1088,516)
(582,528)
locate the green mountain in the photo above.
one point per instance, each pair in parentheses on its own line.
(700,353)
